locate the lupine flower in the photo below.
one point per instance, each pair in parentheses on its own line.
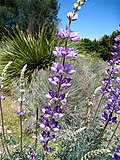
(67,52)
(76,7)
(108,117)
(2,97)
(45,123)
(67,34)
(58,112)
(116,155)
(60,69)
(74,36)
(21,113)
(66,82)
(54,80)
(72,16)
(54,125)
(64,34)
(53,96)
(47,111)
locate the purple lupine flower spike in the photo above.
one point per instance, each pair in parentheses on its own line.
(57,98)
(112,86)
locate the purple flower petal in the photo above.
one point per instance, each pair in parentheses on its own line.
(2,97)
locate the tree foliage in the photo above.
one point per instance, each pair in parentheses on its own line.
(101,48)
(30,15)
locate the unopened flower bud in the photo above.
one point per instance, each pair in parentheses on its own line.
(76,7)
(22,90)
(81,2)
(72,16)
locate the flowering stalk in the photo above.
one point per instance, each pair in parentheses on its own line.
(21,111)
(57,99)
(2,97)
(112,91)
(36,128)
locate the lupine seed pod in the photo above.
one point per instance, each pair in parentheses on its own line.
(90,155)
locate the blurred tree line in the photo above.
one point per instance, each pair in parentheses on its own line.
(29,15)
(101,48)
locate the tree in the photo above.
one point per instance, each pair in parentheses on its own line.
(106,46)
(30,15)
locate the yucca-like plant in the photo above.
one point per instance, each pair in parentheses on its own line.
(24,49)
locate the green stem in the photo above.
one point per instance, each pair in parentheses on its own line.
(113,134)
(97,108)
(3,129)
(43,157)
(21,136)
(36,134)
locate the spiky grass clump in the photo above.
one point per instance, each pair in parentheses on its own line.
(24,49)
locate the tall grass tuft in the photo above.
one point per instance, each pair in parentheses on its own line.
(25,49)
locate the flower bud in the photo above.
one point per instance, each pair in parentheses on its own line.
(81,2)
(72,16)
(76,7)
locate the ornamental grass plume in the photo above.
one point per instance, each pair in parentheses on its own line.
(60,80)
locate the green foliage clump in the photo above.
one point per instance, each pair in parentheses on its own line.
(77,146)
(24,49)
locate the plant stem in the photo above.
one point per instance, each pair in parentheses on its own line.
(97,108)
(3,129)
(21,109)
(113,134)
(36,134)
(43,157)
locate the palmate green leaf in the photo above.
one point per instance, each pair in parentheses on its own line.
(24,49)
